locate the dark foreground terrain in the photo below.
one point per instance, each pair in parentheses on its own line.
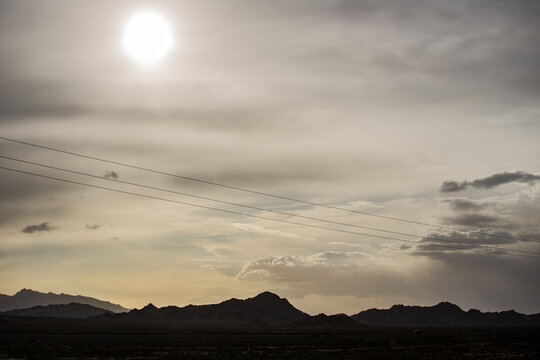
(522,343)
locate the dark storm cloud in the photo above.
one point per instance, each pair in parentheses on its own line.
(532,236)
(433,249)
(453,186)
(490,181)
(93,226)
(504,178)
(30,229)
(478,277)
(436,243)
(110,175)
(473,219)
(462,277)
(464,205)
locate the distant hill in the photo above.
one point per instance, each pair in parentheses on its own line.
(338,322)
(443,314)
(27,298)
(72,310)
(265,309)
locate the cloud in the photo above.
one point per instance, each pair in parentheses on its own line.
(30,229)
(490,181)
(297,267)
(472,62)
(111,175)
(464,205)
(458,242)
(475,220)
(468,277)
(535,237)
(93,227)
(453,186)
(405,246)
(366,205)
(26,100)
(221,250)
(345,244)
(258,229)
(230,271)
(504,178)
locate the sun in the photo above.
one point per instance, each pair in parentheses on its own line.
(147,37)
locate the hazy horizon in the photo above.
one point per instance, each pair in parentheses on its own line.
(217,302)
(420,110)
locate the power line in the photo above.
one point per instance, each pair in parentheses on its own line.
(248,215)
(255,191)
(263,209)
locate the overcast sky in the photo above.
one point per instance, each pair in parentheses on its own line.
(426,110)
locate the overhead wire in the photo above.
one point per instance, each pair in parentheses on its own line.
(237,188)
(428,237)
(254,216)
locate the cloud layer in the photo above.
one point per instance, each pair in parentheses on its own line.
(490,181)
(363,104)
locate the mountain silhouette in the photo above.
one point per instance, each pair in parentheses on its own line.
(338,322)
(265,309)
(27,298)
(72,310)
(443,314)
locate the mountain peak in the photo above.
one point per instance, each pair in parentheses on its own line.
(150,306)
(447,305)
(25,291)
(267,295)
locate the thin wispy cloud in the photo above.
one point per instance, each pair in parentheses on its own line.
(261,230)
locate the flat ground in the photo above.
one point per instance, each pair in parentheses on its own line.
(368,344)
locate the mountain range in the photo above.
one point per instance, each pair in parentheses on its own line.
(72,310)
(27,298)
(264,311)
(443,314)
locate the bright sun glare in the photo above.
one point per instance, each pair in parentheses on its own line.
(147,37)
